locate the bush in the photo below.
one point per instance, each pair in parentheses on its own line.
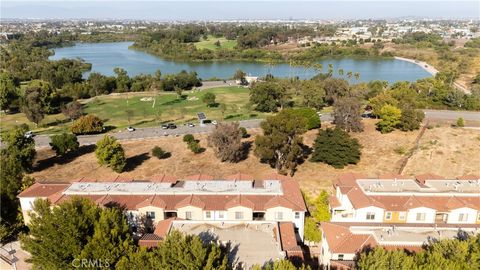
(110,153)
(410,119)
(195,147)
(335,147)
(64,143)
(226,142)
(460,122)
(89,124)
(209,99)
(313,120)
(390,118)
(188,138)
(244,132)
(160,153)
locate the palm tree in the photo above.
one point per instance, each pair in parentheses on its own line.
(340,72)
(349,74)
(330,69)
(357,76)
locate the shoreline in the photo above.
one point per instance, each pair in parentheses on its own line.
(428,68)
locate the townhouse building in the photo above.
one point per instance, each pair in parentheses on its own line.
(237,198)
(398,199)
(396,212)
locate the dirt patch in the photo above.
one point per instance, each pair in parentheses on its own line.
(448,152)
(382,153)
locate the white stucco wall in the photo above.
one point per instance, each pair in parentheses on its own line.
(453,216)
(429,215)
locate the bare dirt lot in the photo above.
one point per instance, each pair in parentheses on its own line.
(382,153)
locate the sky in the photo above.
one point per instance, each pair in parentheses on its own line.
(233,10)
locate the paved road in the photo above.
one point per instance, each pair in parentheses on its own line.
(155,132)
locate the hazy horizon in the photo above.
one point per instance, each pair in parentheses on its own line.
(234,10)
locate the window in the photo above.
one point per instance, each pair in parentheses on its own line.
(221,215)
(340,257)
(401,216)
(297,215)
(151,214)
(188,215)
(278,215)
(388,215)
(420,217)
(462,217)
(370,215)
(238,215)
(208,215)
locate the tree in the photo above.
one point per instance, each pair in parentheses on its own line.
(195,147)
(381,100)
(381,259)
(410,119)
(179,92)
(19,146)
(226,142)
(8,91)
(336,148)
(313,94)
(268,96)
(390,118)
(123,81)
(335,88)
(84,230)
(281,144)
(240,76)
(217,43)
(110,153)
(111,238)
(88,124)
(312,232)
(223,109)
(45,96)
(209,99)
(73,110)
(32,106)
(347,114)
(460,122)
(160,153)
(64,143)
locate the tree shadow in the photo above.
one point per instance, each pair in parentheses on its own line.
(135,161)
(67,158)
(246,146)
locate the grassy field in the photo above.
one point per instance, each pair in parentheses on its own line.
(210,43)
(168,108)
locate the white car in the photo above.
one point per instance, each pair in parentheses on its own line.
(191,125)
(29,134)
(214,122)
(130,129)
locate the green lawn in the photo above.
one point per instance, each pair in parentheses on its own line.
(168,108)
(210,43)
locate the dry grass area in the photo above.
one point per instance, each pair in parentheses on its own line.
(379,156)
(448,152)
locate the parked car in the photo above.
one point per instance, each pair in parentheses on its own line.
(191,125)
(171,126)
(29,134)
(164,126)
(214,122)
(130,129)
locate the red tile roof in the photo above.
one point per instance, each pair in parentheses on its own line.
(239,201)
(43,190)
(240,177)
(341,240)
(192,200)
(333,202)
(163,227)
(288,240)
(199,177)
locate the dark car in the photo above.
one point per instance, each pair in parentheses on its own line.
(171,126)
(164,126)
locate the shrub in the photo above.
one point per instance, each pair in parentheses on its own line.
(226,142)
(460,122)
(64,143)
(313,120)
(110,153)
(244,132)
(188,138)
(195,147)
(209,99)
(410,119)
(160,153)
(390,118)
(89,124)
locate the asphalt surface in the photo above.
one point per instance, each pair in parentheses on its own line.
(156,132)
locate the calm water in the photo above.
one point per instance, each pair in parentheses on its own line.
(104,57)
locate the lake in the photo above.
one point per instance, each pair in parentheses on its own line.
(104,57)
